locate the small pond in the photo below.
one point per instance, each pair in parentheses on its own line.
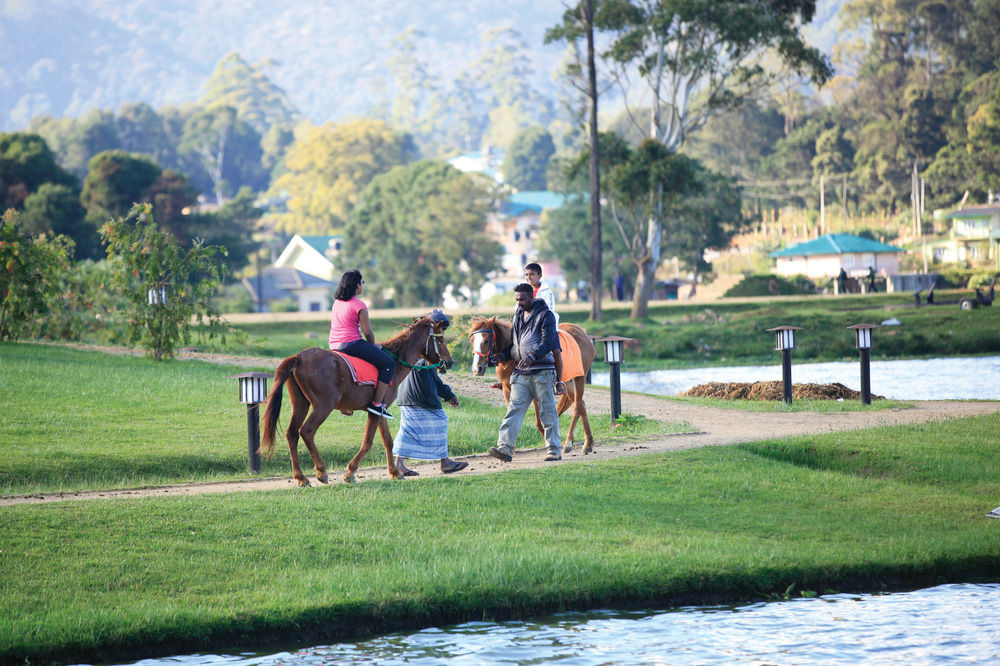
(948,624)
(967,378)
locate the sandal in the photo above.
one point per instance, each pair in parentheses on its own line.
(457,467)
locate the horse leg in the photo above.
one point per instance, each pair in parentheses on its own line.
(383,430)
(366,444)
(308,433)
(580,409)
(565,400)
(300,405)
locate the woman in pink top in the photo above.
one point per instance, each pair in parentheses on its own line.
(348,321)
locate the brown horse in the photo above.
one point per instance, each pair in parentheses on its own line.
(489,336)
(321,379)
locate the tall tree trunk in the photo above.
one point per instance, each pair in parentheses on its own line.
(643,287)
(596,279)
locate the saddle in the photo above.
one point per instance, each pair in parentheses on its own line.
(572,361)
(362,371)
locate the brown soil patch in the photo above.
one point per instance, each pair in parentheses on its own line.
(774,390)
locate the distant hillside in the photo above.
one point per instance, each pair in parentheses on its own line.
(64,57)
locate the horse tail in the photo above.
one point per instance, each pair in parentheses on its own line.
(273,409)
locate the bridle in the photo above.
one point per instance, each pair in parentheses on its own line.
(432,336)
(491,359)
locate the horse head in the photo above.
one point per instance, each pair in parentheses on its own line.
(435,349)
(484,337)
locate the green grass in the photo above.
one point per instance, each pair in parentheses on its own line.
(77,420)
(866,510)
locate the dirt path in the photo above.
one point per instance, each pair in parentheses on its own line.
(713,427)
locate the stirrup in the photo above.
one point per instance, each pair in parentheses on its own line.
(561,388)
(377,410)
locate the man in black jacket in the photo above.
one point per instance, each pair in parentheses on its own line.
(534,339)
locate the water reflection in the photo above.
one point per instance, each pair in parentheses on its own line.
(973,378)
(945,624)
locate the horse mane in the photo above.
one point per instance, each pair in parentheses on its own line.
(396,342)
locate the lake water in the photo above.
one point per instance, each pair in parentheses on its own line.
(948,624)
(969,378)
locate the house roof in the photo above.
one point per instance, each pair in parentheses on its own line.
(987,210)
(536,201)
(835,244)
(319,243)
(278,283)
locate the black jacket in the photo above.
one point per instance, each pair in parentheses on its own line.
(535,336)
(423,388)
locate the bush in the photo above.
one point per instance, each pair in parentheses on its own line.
(32,270)
(772,285)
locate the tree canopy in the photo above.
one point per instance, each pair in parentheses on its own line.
(418,229)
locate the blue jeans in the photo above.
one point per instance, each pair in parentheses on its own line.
(524,389)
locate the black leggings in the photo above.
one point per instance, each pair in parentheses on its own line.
(366,351)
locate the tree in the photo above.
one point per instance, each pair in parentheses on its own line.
(527,159)
(26,163)
(630,177)
(695,57)
(579,22)
(227,149)
(166,287)
(114,182)
(418,229)
(706,220)
(246,88)
(55,210)
(230,227)
(141,130)
(328,167)
(31,272)
(77,140)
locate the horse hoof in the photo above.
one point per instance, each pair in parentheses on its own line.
(588,449)
(322,478)
(567,448)
(303,483)
(348,478)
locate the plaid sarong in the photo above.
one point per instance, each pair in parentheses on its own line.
(423,434)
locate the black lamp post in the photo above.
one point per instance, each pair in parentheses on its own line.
(614,354)
(253,391)
(785,343)
(863,333)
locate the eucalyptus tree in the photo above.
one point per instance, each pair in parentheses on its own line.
(685,60)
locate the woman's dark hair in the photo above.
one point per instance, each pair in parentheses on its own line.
(348,287)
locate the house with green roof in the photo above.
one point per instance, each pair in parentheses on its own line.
(312,255)
(516,225)
(823,257)
(303,272)
(973,237)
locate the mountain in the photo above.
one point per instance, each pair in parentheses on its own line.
(65,57)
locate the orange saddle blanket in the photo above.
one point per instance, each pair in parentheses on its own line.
(572,362)
(362,371)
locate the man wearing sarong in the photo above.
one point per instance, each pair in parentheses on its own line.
(423,425)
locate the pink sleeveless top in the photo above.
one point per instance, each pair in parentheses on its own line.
(345,323)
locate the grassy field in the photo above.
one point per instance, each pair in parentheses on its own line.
(79,420)
(871,510)
(726,332)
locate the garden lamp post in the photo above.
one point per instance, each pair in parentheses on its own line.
(785,343)
(614,348)
(157,296)
(253,388)
(863,333)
